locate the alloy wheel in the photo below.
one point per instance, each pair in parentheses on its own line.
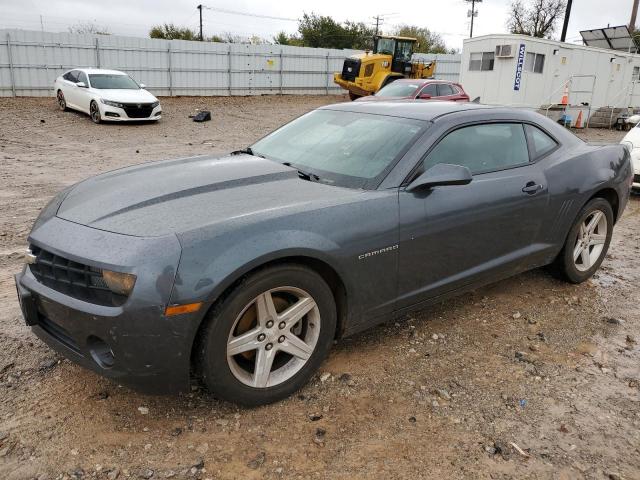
(592,236)
(273,337)
(61,101)
(94,111)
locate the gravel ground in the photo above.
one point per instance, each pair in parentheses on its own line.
(527,378)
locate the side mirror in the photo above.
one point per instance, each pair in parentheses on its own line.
(81,85)
(424,96)
(440,175)
(142,85)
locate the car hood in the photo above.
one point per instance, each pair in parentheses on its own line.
(126,96)
(176,196)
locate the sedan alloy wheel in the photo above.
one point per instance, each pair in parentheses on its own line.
(94,112)
(62,103)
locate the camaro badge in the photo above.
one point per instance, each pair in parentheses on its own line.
(373,253)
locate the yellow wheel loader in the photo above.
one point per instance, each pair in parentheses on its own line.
(367,73)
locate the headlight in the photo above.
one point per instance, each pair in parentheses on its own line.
(112,104)
(155,104)
(627,144)
(120,283)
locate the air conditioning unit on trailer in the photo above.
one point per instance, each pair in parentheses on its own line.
(504,51)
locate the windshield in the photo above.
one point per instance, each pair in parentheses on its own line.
(386,45)
(349,149)
(106,81)
(398,89)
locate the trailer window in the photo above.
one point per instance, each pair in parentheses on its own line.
(481,61)
(534,62)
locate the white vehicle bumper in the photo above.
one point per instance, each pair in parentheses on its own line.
(129,113)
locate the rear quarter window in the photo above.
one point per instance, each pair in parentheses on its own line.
(541,142)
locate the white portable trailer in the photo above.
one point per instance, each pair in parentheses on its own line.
(523,71)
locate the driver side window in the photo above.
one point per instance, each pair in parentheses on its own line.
(482,148)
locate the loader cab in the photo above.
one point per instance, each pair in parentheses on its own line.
(400,49)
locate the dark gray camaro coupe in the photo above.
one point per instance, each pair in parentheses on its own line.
(243,269)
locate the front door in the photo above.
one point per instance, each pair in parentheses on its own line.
(454,236)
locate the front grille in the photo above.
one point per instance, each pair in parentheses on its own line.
(138,110)
(350,69)
(73,279)
(636,178)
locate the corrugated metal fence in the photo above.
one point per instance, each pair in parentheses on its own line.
(31,60)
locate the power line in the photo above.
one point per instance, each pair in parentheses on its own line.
(247,14)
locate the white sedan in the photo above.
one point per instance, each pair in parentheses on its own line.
(106,95)
(632,139)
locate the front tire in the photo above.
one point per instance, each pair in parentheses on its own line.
(587,242)
(62,102)
(268,337)
(94,112)
(353,96)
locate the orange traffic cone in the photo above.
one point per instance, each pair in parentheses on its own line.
(579,120)
(565,95)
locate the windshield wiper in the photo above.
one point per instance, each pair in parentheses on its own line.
(302,174)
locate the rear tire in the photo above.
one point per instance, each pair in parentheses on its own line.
(94,112)
(587,242)
(258,322)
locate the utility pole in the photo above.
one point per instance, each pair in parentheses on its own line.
(567,14)
(199,7)
(377,18)
(634,13)
(472,13)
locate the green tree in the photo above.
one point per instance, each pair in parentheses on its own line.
(428,41)
(324,32)
(282,38)
(536,18)
(169,31)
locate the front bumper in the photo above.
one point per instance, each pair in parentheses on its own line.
(116,114)
(135,343)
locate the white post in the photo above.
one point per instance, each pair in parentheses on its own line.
(169,69)
(11,75)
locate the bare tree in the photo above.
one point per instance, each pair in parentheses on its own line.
(537,18)
(89,27)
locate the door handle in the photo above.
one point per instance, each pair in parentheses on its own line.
(532,188)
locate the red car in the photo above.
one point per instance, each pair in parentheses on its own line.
(420,89)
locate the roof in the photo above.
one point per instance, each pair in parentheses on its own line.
(395,37)
(422,81)
(414,109)
(556,43)
(90,71)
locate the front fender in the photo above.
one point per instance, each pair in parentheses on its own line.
(203,277)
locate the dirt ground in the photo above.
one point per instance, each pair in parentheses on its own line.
(528,378)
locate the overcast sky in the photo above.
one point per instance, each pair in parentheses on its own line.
(135,17)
